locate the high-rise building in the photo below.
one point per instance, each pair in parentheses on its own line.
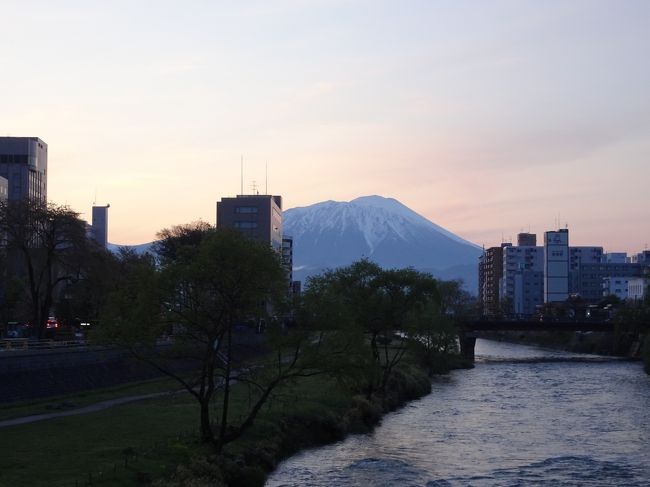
(256,216)
(522,284)
(556,265)
(287,259)
(23,162)
(490,273)
(99,225)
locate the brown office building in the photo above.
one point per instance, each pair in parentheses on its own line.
(256,216)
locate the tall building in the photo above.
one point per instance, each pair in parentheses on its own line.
(287,259)
(256,216)
(99,225)
(490,274)
(556,265)
(23,162)
(522,284)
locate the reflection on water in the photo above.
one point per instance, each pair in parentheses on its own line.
(522,416)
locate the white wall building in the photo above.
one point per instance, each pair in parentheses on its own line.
(637,288)
(556,265)
(522,283)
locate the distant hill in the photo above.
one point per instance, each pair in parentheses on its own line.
(332,234)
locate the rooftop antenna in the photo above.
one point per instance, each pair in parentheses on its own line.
(266,178)
(254,187)
(242,175)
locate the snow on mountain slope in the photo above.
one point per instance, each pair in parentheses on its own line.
(331,234)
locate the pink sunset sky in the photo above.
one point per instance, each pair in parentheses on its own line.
(488,117)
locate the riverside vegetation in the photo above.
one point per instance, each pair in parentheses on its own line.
(360,341)
(368,336)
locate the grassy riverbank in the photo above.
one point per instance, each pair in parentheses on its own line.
(155,440)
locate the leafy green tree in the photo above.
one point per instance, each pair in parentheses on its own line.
(373,314)
(45,243)
(200,295)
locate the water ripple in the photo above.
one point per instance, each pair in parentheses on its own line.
(513,420)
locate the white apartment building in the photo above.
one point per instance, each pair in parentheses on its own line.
(637,288)
(556,265)
(522,284)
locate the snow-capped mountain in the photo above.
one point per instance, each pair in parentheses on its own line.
(332,234)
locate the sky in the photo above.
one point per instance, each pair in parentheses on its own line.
(486,117)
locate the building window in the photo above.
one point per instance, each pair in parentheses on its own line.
(245,224)
(246,209)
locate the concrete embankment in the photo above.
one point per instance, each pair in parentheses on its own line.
(26,375)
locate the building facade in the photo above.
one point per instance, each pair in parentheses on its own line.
(23,163)
(556,266)
(99,225)
(615,286)
(256,216)
(522,284)
(593,275)
(637,288)
(526,240)
(490,274)
(4,189)
(287,259)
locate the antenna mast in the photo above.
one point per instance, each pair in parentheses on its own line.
(266,178)
(242,175)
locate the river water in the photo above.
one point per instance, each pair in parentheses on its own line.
(523,416)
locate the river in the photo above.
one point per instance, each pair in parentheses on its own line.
(523,416)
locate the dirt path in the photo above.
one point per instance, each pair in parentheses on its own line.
(83,410)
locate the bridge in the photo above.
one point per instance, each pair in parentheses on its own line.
(469,330)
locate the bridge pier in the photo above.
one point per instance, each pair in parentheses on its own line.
(467,344)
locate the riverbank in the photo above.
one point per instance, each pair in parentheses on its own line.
(627,345)
(308,422)
(155,440)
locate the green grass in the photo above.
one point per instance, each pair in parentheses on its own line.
(67,450)
(157,435)
(42,406)
(162,432)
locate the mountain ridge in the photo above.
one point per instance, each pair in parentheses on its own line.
(330,234)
